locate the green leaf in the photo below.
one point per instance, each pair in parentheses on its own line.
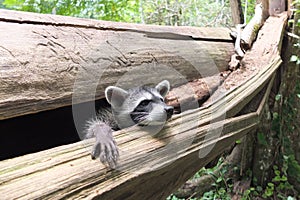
(261,139)
(284,178)
(269,193)
(286,158)
(271,185)
(219,180)
(290,198)
(278,97)
(275,115)
(259,188)
(277,172)
(276,179)
(294,58)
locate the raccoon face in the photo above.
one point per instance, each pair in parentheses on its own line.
(144,105)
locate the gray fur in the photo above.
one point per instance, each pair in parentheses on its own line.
(143,106)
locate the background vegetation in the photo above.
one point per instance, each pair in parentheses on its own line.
(161,12)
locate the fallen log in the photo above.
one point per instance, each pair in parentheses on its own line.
(265,50)
(196,137)
(60,56)
(202,89)
(68,171)
(245,37)
(196,187)
(250,31)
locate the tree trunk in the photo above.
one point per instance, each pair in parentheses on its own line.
(236,11)
(50,61)
(288,107)
(278,135)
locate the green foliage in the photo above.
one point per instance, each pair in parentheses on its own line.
(285,124)
(98,9)
(221,193)
(162,12)
(278,187)
(287,166)
(296,57)
(250,193)
(262,139)
(238,142)
(222,185)
(1,4)
(173,197)
(250,9)
(186,12)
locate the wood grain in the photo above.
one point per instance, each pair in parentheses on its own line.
(151,167)
(50,61)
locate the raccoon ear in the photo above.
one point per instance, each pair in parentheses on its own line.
(115,95)
(163,88)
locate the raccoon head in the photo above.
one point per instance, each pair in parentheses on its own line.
(141,105)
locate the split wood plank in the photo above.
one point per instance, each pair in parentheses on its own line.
(146,164)
(48,61)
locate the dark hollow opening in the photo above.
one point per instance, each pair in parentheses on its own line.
(44,130)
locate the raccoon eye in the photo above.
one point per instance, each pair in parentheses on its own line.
(145,102)
(162,99)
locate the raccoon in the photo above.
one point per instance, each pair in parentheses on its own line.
(142,106)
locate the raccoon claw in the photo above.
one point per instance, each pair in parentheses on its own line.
(105,146)
(107,152)
(109,157)
(96,151)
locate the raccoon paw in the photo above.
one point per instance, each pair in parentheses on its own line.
(105,147)
(107,151)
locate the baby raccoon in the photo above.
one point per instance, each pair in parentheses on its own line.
(143,106)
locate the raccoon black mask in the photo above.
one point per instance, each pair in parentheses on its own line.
(141,105)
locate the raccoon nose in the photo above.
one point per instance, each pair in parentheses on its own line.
(169,110)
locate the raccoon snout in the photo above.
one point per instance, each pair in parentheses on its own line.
(169,110)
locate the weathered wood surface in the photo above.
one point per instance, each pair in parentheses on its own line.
(246,36)
(250,31)
(195,92)
(43,56)
(203,33)
(236,11)
(198,186)
(68,171)
(149,169)
(266,49)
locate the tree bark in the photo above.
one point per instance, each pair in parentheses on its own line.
(275,128)
(288,108)
(249,33)
(245,37)
(145,162)
(50,61)
(234,166)
(236,11)
(202,90)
